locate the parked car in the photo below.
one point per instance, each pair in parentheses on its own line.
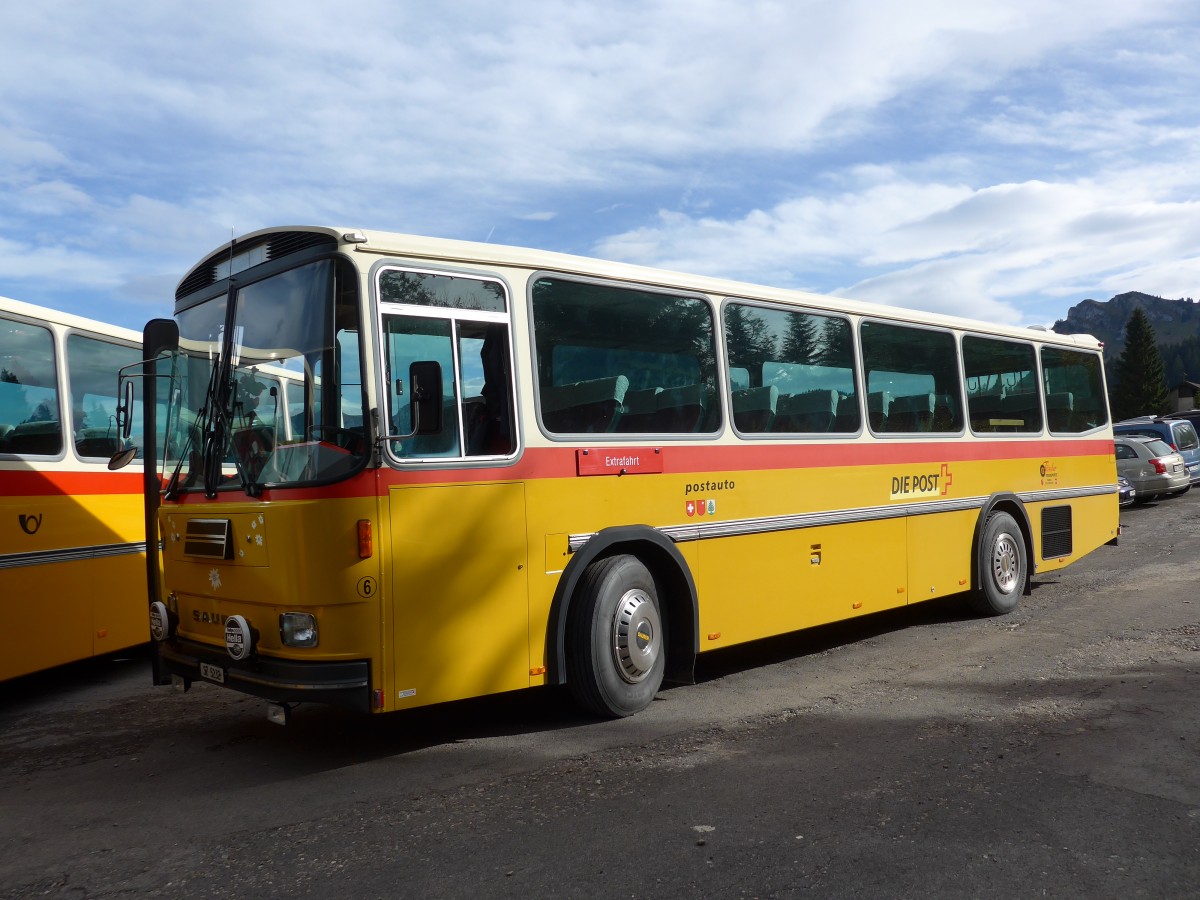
(1125,492)
(1179,433)
(1151,466)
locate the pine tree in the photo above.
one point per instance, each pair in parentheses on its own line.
(1141,387)
(801,341)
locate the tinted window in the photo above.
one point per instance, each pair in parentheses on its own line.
(790,371)
(1185,436)
(92,377)
(1159,448)
(29,417)
(615,359)
(1074,390)
(443,291)
(1125,452)
(912,379)
(1002,386)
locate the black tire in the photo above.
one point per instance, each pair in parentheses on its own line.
(616,638)
(1003,566)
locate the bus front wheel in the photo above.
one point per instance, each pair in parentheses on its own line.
(616,650)
(1003,566)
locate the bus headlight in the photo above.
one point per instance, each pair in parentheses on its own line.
(160,621)
(298,629)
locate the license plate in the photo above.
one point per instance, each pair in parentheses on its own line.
(1178,467)
(212,673)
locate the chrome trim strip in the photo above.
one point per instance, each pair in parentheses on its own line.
(763,525)
(70,554)
(1097,490)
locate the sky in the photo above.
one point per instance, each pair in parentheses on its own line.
(999,160)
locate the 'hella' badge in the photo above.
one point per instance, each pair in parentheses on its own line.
(238,638)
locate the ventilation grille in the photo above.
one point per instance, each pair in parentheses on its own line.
(1056,532)
(277,246)
(209,539)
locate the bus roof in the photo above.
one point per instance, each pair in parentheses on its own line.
(67,320)
(445,250)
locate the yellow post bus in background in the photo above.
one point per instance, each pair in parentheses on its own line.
(487,468)
(72,535)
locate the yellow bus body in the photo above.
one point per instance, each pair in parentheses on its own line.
(460,594)
(72,533)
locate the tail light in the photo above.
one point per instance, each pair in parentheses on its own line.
(1160,466)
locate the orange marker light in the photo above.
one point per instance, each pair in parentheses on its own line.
(714,635)
(538,670)
(366,543)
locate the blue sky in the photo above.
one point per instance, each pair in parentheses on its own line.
(997,160)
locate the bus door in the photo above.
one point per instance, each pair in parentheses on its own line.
(458,557)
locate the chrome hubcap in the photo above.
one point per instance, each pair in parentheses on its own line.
(1005,563)
(637,636)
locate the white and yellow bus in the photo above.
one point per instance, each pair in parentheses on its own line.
(72,533)
(491,468)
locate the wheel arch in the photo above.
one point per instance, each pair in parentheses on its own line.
(672,576)
(1011,504)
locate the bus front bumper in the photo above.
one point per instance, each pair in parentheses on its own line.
(345,684)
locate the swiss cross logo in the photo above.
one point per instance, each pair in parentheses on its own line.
(947,478)
(690,506)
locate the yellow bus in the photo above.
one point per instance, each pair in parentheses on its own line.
(490,468)
(72,534)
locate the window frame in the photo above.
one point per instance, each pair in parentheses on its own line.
(1098,361)
(69,395)
(856,373)
(453,315)
(959,382)
(677,293)
(57,349)
(1039,392)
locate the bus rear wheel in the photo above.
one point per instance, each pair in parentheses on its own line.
(616,641)
(1003,566)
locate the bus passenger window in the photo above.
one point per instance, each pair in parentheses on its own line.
(92,367)
(790,372)
(1002,386)
(912,379)
(1074,390)
(29,391)
(615,359)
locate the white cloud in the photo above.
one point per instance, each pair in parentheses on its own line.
(931,149)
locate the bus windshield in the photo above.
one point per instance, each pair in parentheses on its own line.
(275,400)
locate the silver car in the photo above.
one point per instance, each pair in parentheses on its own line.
(1151,466)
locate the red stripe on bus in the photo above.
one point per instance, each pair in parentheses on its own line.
(48,483)
(560,462)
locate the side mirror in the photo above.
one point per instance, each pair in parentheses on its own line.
(160,336)
(122,458)
(125,412)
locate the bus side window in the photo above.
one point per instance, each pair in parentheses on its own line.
(1001,385)
(92,367)
(617,359)
(790,372)
(912,379)
(487,388)
(29,391)
(1074,390)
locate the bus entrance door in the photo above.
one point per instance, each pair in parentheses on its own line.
(459,604)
